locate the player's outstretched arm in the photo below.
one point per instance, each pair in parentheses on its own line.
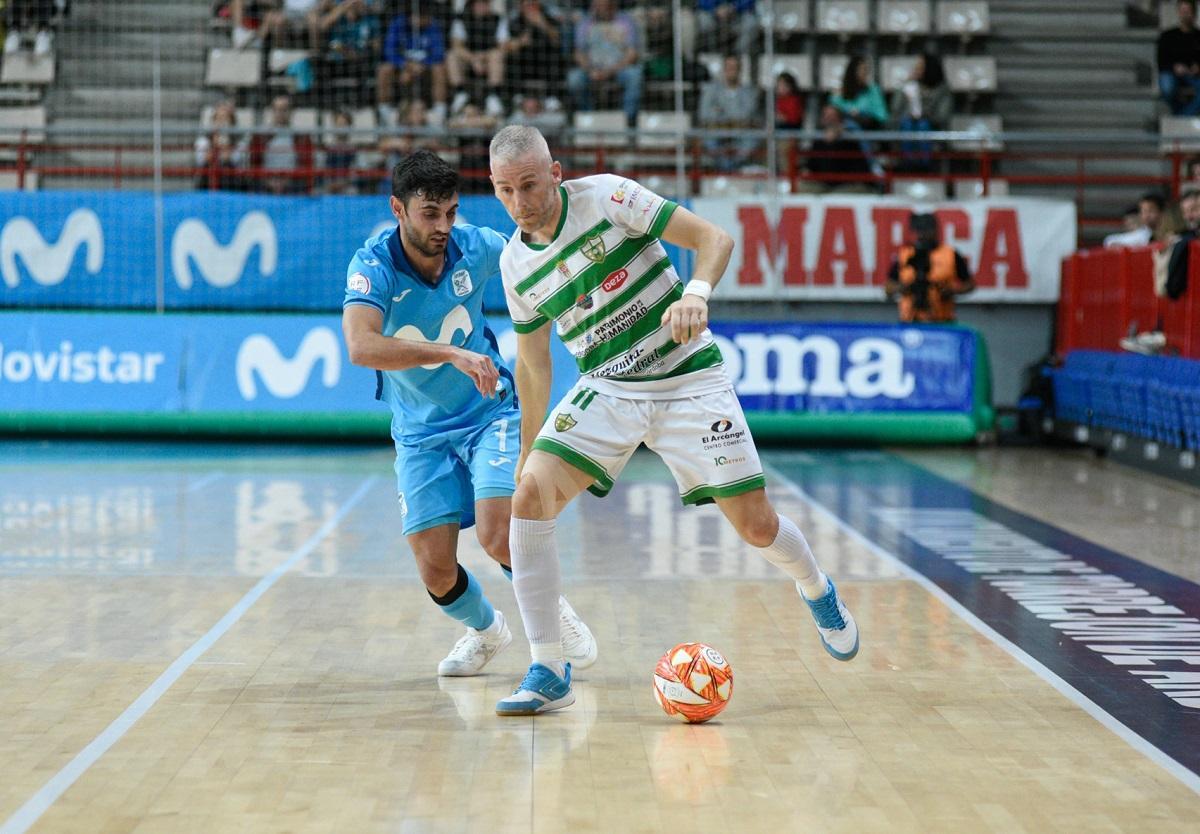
(534,376)
(688,316)
(362,326)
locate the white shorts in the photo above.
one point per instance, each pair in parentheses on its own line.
(703,440)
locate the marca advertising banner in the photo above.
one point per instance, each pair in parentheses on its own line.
(212,363)
(218,251)
(841,247)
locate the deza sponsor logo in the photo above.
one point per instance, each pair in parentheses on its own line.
(46,263)
(219,265)
(868,367)
(67,364)
(259,358)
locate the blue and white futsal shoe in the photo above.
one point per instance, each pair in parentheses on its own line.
(578,644)
(839,632)
(541,691)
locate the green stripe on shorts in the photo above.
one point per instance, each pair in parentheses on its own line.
(706,494)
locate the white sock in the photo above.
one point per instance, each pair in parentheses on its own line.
(537,582)
(791,552)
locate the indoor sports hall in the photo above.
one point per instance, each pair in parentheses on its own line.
(961,314)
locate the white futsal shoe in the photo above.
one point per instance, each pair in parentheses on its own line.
(839,632)
(475,648)
(578,644)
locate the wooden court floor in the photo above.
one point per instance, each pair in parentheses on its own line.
(214,639)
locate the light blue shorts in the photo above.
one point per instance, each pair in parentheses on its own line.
(440,478)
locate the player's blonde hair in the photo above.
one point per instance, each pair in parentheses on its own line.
(517,142)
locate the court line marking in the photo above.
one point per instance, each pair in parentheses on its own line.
(1174,768)
(40,802)
(196,486)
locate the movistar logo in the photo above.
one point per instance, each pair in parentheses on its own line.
(258,357)
(455,321)
(218,265)
(48,264)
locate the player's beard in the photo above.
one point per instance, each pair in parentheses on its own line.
(423,245)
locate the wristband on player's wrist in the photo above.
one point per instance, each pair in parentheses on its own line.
(698,287)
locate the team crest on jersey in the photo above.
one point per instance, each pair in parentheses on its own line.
(585,301)
(564,422)
(358,283)
(564,270)
(461,281)
(593,249)
(618,196)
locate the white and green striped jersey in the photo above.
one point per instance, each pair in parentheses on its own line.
(605,280)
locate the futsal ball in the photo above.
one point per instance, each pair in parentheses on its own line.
(693,682)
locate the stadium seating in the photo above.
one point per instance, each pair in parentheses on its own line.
(965,18)
(799,66)
(792,17)
(1179,133)
(986,126)
(902,17)
(894,70)
(843,17)
(971,73)
(233,68)
(600,128)
(27,68)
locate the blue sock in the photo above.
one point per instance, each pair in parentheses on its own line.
(507,572)
(466,603)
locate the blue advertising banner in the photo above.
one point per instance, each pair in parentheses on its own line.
(196,363)
(820,367)
(218,251)
(221,363)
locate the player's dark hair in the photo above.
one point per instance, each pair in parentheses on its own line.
(424,172)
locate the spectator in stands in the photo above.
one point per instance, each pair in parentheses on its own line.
(293,23)
(29,20)
(477,43)
(1177,266)
(350,32)
(288,155)
(341,157)
(658,53)
(535,49)
(246,17)
(1147,217)
(726,25)
(836,162)
(726,103)
(927,275)
(789,115)
(860,101)
(1179,62)
(414,54)
(923,103)
(606,50)
(414,118)
(533,111)
(220,155)
(474,127)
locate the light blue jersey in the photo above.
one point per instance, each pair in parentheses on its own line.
(453,446)
(429,400)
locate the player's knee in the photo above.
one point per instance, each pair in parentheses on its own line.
(438,578)
(759,529)
(527,500)
(494,541)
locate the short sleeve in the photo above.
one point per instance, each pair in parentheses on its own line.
(525,318)
(633,208)
(493,247)
(368,284)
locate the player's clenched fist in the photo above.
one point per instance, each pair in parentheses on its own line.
(687,318)
(480,369)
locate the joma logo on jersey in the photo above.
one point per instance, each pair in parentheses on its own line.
(564,422)
(615,280)
(593,249)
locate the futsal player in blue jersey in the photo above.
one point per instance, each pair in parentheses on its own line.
(413,311)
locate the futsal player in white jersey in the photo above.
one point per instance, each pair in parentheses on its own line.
(587,255)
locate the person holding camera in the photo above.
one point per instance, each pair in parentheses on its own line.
(927,275)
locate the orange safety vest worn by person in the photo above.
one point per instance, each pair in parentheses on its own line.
(926,277)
